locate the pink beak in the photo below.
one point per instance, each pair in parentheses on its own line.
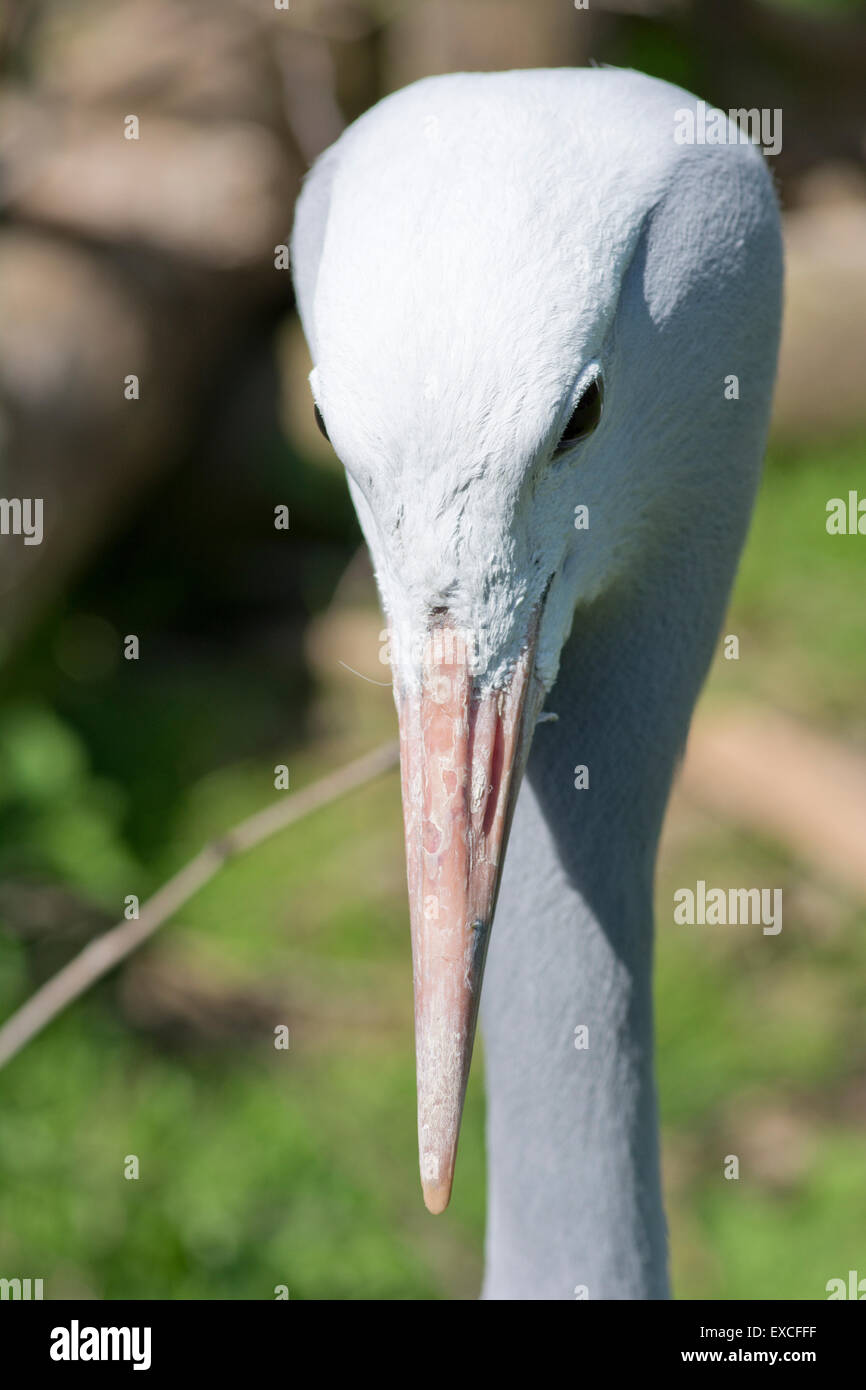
(462,757)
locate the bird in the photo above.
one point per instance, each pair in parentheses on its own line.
(543,334)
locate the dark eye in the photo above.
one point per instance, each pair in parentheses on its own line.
(585,416)
(320,422)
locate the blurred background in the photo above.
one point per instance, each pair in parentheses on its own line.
(156,258)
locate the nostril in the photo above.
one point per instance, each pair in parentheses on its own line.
(441,612)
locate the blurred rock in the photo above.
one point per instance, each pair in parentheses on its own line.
(217,192)
(820,386)
(439,36)
(149,257)
(780,778)
(172,57)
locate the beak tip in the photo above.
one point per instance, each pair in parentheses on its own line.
(437,1195)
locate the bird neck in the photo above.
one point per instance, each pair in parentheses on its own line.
(574,1193)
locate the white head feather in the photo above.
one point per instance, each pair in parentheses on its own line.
(465,255)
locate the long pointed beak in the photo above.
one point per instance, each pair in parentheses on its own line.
(462,757)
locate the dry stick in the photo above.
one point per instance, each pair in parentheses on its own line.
(113,946)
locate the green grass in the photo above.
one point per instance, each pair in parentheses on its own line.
(796,604)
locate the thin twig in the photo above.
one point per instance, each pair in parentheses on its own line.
(114,945)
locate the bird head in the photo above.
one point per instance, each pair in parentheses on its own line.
(471,263)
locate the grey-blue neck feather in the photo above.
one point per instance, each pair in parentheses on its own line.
(574,1195)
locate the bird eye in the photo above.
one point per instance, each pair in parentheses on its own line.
(321,423)
(585,416)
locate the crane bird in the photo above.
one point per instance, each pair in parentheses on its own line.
(544,336)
